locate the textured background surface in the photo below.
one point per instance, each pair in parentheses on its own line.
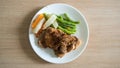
(103,50)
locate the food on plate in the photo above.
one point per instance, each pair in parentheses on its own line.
(50,21)
(59,41)
(38,24)
(54,31)
(64,23)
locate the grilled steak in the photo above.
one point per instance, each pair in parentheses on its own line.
(57,40)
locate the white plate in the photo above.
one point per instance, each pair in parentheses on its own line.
(82,33)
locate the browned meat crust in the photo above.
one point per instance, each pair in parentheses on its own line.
(57,40)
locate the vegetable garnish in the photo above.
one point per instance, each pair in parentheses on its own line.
(38,26)
(40,16)
(50,21)
(66,24)
(62,22)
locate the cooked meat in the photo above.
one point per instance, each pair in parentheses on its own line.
(51,37)
(57,40)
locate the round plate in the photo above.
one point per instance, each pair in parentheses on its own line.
(82,33)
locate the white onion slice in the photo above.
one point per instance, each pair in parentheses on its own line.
(55,24)
(50,21)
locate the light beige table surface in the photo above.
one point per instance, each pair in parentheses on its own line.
(103,50)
